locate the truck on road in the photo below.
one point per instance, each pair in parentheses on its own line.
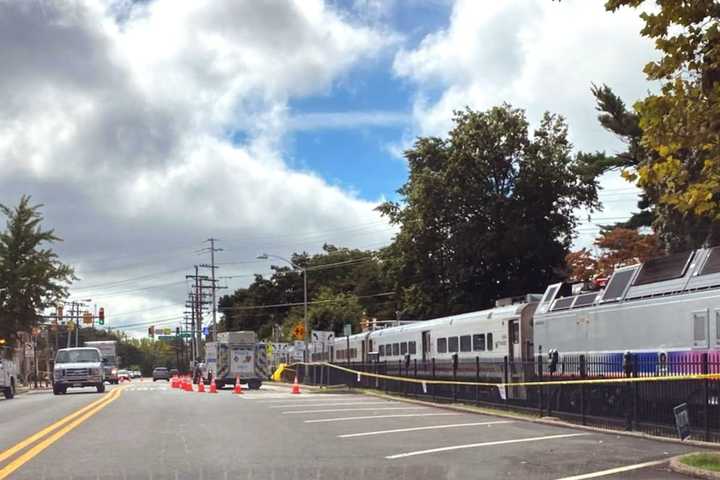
(236,355)
(108,349)
(78,367)
(8,373)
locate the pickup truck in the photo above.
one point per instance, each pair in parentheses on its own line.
(78,367)
(8,373)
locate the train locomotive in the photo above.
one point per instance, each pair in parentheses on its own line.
(663,312)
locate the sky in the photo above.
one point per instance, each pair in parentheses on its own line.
(147,127)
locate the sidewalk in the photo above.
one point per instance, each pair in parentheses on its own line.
(29,389)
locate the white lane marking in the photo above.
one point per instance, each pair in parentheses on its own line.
(334,410)
(314,398)
(613,471)
(326,404)
(430,427)
(483,444)
(367,417)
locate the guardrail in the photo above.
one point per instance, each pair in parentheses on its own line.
(629,396)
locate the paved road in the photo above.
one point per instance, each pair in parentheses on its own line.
(148,430)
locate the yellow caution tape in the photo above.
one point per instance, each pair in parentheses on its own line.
(708,376)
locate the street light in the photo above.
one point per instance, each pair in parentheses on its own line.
(265,256)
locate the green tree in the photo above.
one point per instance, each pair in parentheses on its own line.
(32,278)
(332,310)
(485,213)
(681,124)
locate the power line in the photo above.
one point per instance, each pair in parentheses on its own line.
(295,304)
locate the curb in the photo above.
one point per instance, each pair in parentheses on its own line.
(677,466)
(553,421)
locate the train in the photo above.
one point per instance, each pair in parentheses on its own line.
(660,311)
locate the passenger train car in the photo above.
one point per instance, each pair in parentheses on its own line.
(665,309)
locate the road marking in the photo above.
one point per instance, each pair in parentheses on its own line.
(430,427)
(53,426)
(369,409)
(366,417)
(37,449)
(275,398)
(613,471)
(483,444)
(288,405)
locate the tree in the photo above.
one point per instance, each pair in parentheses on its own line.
(487,212)
(332,310)
(624,246)
(681,124)
(277,300)
(32,278)
(582,266)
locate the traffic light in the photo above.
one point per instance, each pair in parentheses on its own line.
(177,331)
(101,316)
(151,332)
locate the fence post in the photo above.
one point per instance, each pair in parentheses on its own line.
(433,377)
(505,376)
(541,393)
(635,390)
(415,373)
(385,380)
(583,374)
(706,407)
(477,378)
(455,365)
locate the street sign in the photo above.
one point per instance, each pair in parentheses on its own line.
(322,337)
(167,338)
(186,334)
(87,318)
(29,350)
(682,420)
(347,329)
(205,331)
(299,331)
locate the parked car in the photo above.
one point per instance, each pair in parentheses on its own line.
(135,374)
(161,373)
(174,372)
(123,375)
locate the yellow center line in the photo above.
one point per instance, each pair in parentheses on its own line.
(83,414)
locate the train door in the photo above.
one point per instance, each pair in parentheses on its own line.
(701,327)
(425,345)
(513,339)
(363,357)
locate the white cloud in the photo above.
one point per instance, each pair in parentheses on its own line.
(537,55)
(123,113)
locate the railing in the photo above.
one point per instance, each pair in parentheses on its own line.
(635,393)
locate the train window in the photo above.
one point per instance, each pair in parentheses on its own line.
(411,348)
(381,350)
(712,264)
(442,345)
(515,332)
(403,348)
(466,343)
(663,268)
(396,349)
(478,342)
(615,289)
(489,341)
(452,344)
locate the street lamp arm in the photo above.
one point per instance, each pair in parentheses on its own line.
(265,256)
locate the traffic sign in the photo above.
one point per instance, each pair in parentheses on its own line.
(347,329)
(87,317)
(186,334)
(167,338)
(205,331)
(299,331)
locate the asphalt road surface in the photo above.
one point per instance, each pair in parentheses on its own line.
(147,430)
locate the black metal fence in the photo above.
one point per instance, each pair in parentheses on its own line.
(636,405)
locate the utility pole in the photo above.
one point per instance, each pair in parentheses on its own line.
(213,285)
(195,304)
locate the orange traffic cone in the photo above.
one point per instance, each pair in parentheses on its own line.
(238,388)
(213,387)
(173,382)
(201,386)
(295,387)
(187,386)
